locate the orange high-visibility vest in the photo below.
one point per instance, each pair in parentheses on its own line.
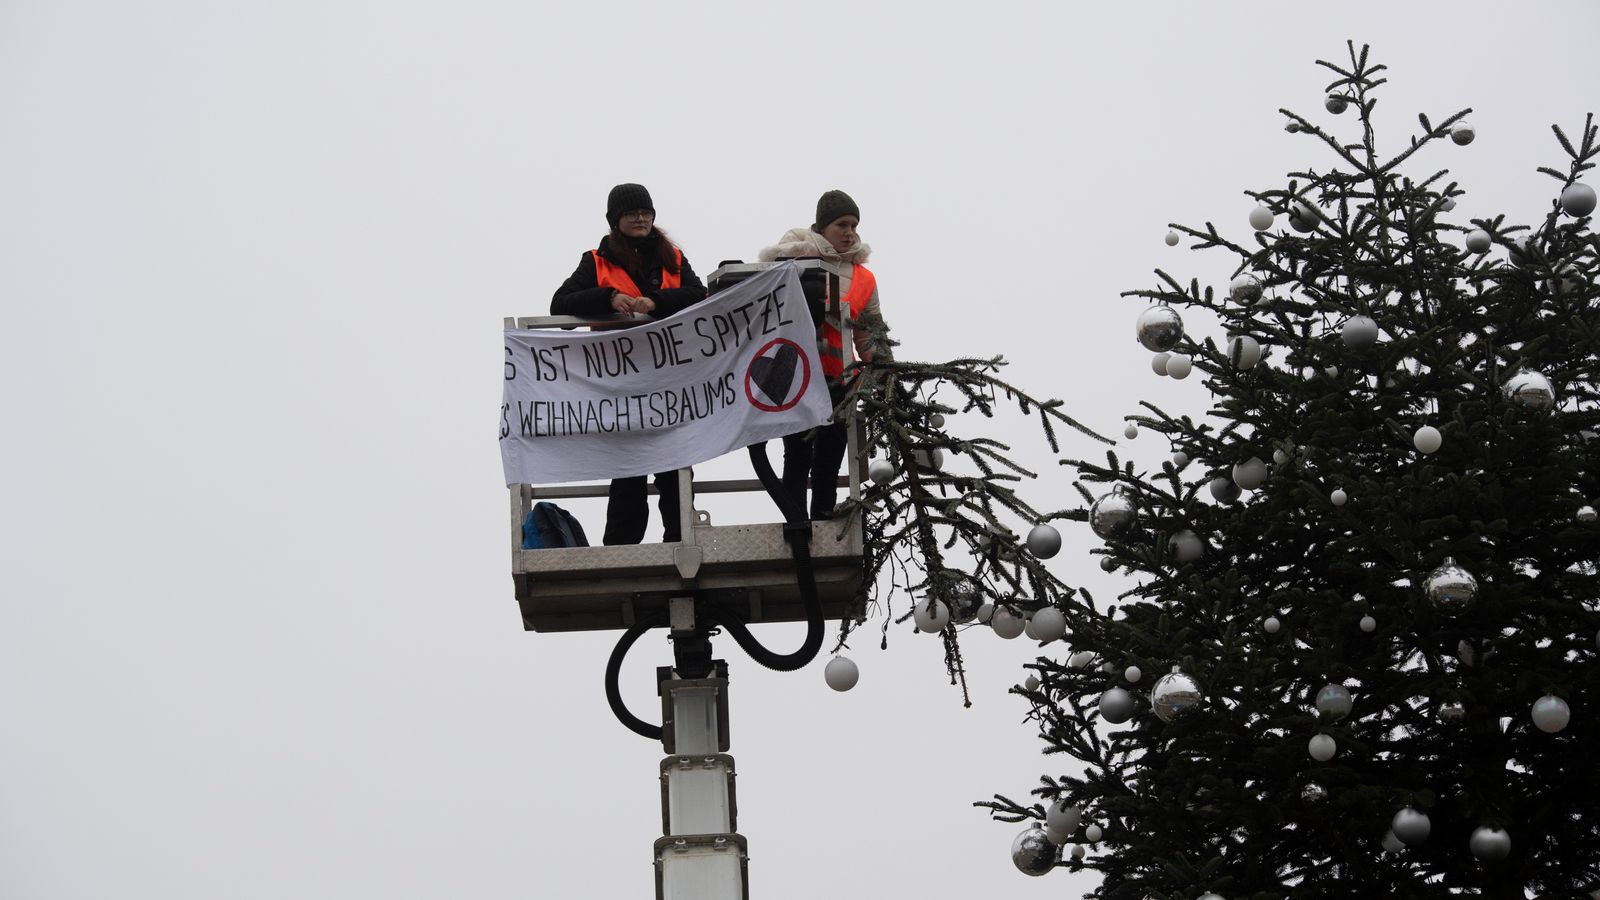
(609,274)
(862,284)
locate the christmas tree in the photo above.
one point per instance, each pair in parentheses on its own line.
(935,532)
(1358,654)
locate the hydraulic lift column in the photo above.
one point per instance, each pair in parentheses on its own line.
(700,856)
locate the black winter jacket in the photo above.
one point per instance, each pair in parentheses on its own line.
(582,295)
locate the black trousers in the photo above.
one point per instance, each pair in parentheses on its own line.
(817,454)
(628,509)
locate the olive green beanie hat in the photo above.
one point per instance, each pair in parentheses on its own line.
(831,206)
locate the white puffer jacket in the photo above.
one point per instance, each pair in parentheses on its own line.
(805,242)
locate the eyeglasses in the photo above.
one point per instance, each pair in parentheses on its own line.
(639,214)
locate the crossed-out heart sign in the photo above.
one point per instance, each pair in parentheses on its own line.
(770,383)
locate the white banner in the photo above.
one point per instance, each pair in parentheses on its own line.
(735,369)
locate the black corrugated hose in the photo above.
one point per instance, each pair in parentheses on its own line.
(797,531)
(614,667)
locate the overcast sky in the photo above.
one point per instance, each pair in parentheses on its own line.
(257,631)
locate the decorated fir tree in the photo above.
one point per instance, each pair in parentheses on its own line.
(934,515)
(1358,653)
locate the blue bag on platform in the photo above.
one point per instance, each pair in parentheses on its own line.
(548,525)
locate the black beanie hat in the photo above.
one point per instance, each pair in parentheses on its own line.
(831,206)
(624,197)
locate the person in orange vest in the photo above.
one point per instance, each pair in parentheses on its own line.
(819,454)
(636,269)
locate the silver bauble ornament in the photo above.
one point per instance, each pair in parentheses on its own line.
(1530,390)
(1322,747)
(1369,624)
(1567,279)
(1478,241)
(1044,541)
(1158,363)
(1028,630)
(966,598)
(1007,623)
(1427,439)
(1081,659)
(1578,200)
(1107,564)
(1313,792)
(1271,625)
(1359,331)
(1245,349)
(1245,288)
(1411,826)
(1261,217)
(881,471)
(1116,706)
(1078,851)
(1452,713)
(841,673)
(1134,674)
(1391,843)
(1159,328)
(1062,817)
(1338,497)
(1048,624)
(1130,430)
(1336,103)
(1174,694)
(985,613)
(1179,366)
(1093,834)
(1303,217)
(1447,204)
(1450,589)
(931,615)
(1250,474)
(1551,713)
(1031,683)
(1291,127)
(1172,239)
(1113,515)
(1279,457)
(1463,133)
(936,420)
(1334,701)
(1489,844)
(1223,490)
(1032,853)
(1586,514)
(927,460)
(1180,459)
(1521,248)
(1186,546)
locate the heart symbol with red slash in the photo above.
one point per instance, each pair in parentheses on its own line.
(775,374)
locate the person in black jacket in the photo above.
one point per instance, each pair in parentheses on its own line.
(635,270)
